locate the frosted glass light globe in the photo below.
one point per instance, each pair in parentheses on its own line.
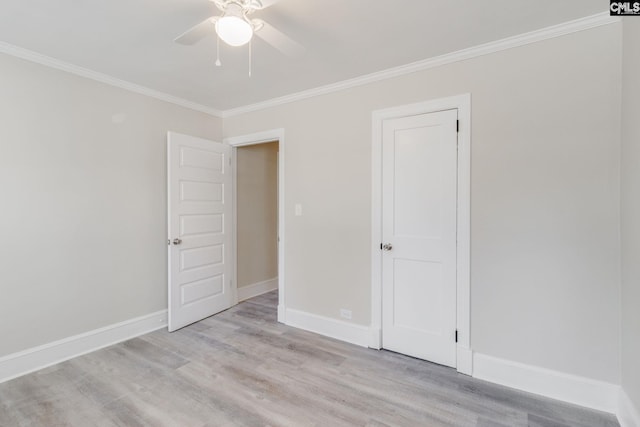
(233,30)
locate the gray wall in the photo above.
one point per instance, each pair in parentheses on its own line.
(83,216)
(257,224)
(631,211)
(545,197)
(82,178)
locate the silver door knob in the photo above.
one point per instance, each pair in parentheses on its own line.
(387,246)
(177,241)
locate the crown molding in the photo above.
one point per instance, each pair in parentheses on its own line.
(565,28)
(48,61)
(461,55)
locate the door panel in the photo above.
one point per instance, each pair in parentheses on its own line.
(200,225)
(417,296)
(416,207)
(208,256)
(199,183)
(419,174)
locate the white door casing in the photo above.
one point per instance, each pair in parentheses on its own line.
(419,233)
(259,138)
(199,211)
(461,103)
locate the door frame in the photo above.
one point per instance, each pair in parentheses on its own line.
(464,355)
(253,139)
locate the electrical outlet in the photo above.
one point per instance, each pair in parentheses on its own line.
(298,209)
(345,314)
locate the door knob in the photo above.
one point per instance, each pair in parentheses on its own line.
(177,241)
(387,246)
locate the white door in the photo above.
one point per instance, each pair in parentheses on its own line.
(199,204)
(419,174)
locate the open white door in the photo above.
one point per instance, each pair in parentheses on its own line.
(199,215)
(419,182)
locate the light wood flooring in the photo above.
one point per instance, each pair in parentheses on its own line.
(242,368)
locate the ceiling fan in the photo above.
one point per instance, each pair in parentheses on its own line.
(235,28)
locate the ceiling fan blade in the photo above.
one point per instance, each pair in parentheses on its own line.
(279,40)
(268,3)
(197,33)
(220,4)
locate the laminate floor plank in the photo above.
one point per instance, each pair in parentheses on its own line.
(243,368)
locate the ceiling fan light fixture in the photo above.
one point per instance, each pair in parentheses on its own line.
(234,30)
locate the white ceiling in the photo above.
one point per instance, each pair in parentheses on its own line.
(132,40)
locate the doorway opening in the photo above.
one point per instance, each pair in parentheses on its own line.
(258,215)
(256,219)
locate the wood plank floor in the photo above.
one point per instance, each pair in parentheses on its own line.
(242,368)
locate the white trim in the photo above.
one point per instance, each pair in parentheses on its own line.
(574,389)
(259,138)
(463,282)
(255,289)
(463,252)
(234,226)
(48,61)
(628,414)
(558,30)
(36,358)
(255,138)
(464,360)
(425,64)
(375,340)
(333,328)
(282,313)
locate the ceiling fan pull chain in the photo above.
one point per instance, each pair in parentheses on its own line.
(218,63)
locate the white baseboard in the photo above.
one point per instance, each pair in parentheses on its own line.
(33,359)
(255,289)
(282,314)
(338,329)
(375,340)
(628,413)
(574,389)
(464,360)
